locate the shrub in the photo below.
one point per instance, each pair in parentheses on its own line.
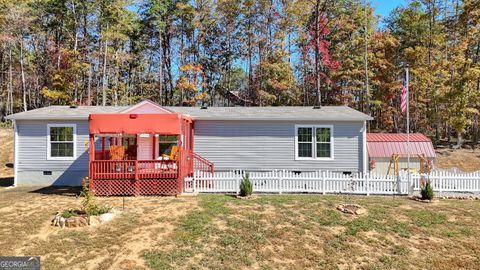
(246,187)
(427,191)
(89,205)
(69,213)
(98,210)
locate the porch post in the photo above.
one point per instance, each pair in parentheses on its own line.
(103,148)
(153,147)
(91,159)
(92,147)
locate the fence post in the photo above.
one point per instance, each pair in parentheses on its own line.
(440,182)
(279,177)
(323,183)
(237,176)
(194,182)
(367,177)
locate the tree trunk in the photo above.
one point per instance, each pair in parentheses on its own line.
(89,86)
(22,71)
(160,68)
(459,141)
(104,76)
(10,84)
(317,53)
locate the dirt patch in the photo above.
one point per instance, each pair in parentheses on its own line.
(118,244)
(6,153)
(219,232)
(464,159)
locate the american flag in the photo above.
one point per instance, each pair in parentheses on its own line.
(403,103)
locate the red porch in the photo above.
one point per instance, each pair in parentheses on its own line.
(141,154)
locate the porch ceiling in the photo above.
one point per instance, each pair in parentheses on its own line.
(168,124)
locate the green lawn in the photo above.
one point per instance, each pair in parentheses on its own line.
(268,232)
(299,231)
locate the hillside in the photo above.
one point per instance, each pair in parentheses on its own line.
(6,152)
(466,160)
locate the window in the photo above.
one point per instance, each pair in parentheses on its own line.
(314,142)
(165,144)
(323,142)
(61,142)
(305,142)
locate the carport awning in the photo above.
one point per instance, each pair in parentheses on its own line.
(168,124)
(386,144)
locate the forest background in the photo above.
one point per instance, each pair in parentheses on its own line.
(248,53)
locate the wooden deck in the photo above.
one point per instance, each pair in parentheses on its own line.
(135,177)
(133,169)
(145,177)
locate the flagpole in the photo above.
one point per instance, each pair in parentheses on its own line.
(408,121)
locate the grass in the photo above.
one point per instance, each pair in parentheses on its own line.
(297,231)
(268,232)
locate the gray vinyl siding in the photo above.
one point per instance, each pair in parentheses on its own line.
(267,145)
(32,155)
(230,145)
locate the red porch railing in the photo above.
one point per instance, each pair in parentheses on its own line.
(133,169)
(145,177)
(202,164)
(134,177)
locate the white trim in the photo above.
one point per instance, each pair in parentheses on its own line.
(15,153)
(364,148)
(74,126)
(314,142)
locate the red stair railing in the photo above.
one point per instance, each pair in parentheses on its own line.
(202,164)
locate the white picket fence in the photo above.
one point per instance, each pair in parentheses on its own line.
(444,181)
(282,181)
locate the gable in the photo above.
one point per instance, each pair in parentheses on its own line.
(147,107)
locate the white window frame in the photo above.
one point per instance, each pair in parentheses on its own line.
(314,142)
(49,145)
(157,142)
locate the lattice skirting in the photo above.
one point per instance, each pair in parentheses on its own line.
(136,188)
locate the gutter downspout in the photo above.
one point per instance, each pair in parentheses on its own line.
(365,154)
(15,153)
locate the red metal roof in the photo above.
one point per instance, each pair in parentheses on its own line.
(387,144)
(396,137)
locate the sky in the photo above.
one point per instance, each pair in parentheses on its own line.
(384,7)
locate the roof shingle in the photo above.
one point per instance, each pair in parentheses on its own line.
(326,113)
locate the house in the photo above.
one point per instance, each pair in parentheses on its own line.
(150,142)
(387,152)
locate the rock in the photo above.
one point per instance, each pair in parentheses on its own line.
(76,222)
(94,220)
(353,209)
(106,217)
(361,211)
(58,220)
(419,199)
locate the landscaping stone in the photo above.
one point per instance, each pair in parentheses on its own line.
(419,199)
(353,209)
(79,221)
(82,220)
